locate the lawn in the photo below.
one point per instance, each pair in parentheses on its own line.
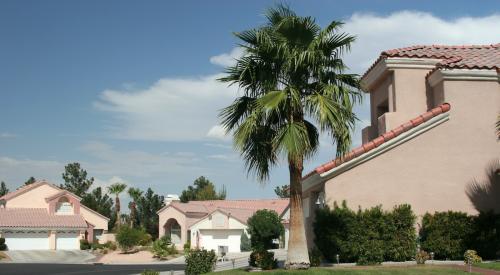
(492,265)
(414,270)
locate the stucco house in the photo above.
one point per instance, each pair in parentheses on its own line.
(433,111)
(216,224)
(42,216)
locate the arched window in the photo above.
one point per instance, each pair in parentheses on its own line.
(64,207)
(173,230)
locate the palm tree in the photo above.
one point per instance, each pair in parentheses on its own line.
(135,194)
(116,189)
(291,76)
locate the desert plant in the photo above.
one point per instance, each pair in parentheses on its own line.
(84,245)
(421,257)
(262,259)
(110,245)
(3,246)
(128,238)
(471,257)
(146,238)
(161,248)
(200,262)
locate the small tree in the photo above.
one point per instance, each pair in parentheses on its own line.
(245,244)
(264,226)
(3,189)
(116,189)
(30,181)
(282,191)
(127,238)
(75,179)
(202,190)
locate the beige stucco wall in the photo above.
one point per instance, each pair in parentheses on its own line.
(93,218)
(431,171)
(34,198)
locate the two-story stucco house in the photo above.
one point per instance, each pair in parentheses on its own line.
(215,225)
(41,216)
(432,132)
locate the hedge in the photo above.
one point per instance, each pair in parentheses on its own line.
(367,236)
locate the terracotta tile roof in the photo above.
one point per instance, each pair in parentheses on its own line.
(38,218)
(239,209)
(443,108)
(453,57)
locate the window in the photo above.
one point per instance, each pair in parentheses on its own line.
(64,207)
(175,233)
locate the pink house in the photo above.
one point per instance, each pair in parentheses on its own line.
(432,134)
(216,224)
(42,216)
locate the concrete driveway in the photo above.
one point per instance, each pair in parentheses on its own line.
(50,256)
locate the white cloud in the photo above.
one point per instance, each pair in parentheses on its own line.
(104,184)
(15,171)
(7,135)
(171,109)
(218,132)
(227,59)
(407,28)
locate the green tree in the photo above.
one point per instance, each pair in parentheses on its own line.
(30,181)
(117,189)
(99,202)
(294,86)
(3,189)
(264,226)
(135,194)
(282,191)
(75,179)
(147,206)
(201,190)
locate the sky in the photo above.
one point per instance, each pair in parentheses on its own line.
(128,88)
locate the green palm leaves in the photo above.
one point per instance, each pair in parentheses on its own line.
(294,87)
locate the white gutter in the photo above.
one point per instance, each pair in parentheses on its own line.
(316,179)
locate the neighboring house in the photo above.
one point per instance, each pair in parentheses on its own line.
(42,216)
(433,111)
(216,224)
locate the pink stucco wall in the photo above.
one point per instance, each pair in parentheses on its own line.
(172,213)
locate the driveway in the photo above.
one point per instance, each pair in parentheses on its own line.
(50,256)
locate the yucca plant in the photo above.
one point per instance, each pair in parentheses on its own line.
(294,86)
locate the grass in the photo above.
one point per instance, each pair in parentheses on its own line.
(491,265)
(380,270)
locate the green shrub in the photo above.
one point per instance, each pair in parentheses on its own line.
(84,245)
(146,238)
(128,237)
(485,238)
(3,246)
(200,262)
(161,248)
(150,272)
(446,234)
(110,245)
(421,257)
(187,247)
(367,236)
(315,257)
(245,244)
(264,226)
(263,259)
(471,257)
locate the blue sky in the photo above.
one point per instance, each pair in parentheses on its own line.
(127,88)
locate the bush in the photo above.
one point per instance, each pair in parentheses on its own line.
(485,238)
(315,257)
(84,245)
(110,245)
(3,246)
(161,248)
(245,244)
(264,226)
(446,234)
(146,239)
(150,272)
(367,236)
(263,259)
(128,237)
(421,257)
(471,257)
(187,247)
(200,262)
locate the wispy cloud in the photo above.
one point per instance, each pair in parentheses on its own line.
(7,135)
(227,59)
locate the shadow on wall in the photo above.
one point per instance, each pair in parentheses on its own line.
(485,195)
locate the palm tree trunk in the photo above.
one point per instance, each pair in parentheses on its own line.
(117,208)
(298,256)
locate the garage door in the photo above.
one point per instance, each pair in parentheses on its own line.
(27,240)
(212,239)
(67,240)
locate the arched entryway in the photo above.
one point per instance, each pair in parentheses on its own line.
(173,230)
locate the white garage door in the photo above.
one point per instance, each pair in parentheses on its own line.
(67,240)
(212,239)
(27,240)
